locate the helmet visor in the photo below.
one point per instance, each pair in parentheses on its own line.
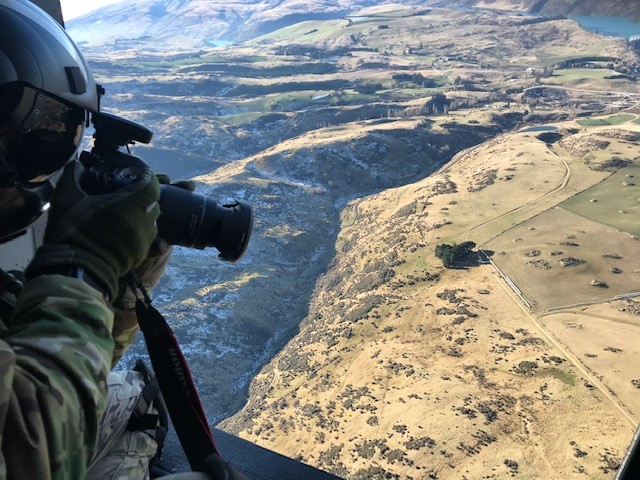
(38,134)
(20,207)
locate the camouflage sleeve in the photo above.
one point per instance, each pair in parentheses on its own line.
(54,359)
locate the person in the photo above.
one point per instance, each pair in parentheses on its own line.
(63,413)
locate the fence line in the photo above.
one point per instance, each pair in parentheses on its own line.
(507,279)
(594,302)
(553,309)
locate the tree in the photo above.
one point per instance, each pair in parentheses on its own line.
(368,88)
(452,254)
(438,103)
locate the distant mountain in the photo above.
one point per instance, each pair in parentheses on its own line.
(198,23)
(612,8)
(620,8)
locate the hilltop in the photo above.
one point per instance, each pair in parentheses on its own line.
(607,8)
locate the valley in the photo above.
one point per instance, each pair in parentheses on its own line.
(363,142)
(407,369)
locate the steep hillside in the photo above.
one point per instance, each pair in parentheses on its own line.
(404,369)
(611,8)
(302,120)
(298,189)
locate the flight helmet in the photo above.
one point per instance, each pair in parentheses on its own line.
(46,95)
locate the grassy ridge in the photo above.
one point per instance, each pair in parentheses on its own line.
(614,202)
(601,122)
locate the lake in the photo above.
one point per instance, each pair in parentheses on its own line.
(220,43)
(540,128)
(613,26)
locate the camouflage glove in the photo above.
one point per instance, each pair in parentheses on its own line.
(153,267)
(107,235)
(125,324)
(148,272)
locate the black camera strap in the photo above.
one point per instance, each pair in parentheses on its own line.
(176,383)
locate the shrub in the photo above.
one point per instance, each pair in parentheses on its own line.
(368,88)
(452,254)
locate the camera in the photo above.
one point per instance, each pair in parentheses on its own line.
(186,218)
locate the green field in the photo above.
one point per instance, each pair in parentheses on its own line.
(603,122)
(573,74)
(411,92)
(549,58)
(309,31)
(239,119)
(349,96)
(614,202)
(559,233)
(562,375)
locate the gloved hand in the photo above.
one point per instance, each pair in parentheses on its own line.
(107,234)
(164,179)
(125,324)
(153,267)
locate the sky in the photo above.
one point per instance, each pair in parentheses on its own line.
(75,8)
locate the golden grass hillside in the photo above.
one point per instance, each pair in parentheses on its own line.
(404,369)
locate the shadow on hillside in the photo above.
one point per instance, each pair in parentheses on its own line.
(474,259)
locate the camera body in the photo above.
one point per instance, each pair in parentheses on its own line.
(186,218)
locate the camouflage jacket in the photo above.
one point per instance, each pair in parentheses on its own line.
(55,354)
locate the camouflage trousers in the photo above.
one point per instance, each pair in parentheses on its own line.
(122,454)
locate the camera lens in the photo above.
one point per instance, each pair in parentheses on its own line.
(197,221)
